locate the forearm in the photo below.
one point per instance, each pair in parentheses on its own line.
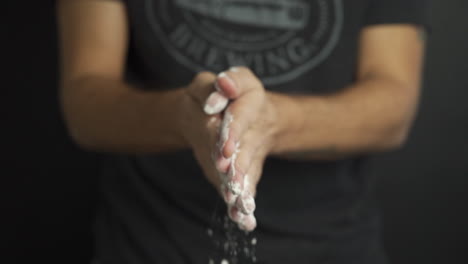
(110,115)
(372,115)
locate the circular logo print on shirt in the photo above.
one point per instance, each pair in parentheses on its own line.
(278,39)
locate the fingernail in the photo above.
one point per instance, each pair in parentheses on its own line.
(234,69)
(215,104)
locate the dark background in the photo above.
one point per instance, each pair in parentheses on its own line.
(47,185)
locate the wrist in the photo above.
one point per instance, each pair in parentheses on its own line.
(182,111)
(171,106)
(289,120)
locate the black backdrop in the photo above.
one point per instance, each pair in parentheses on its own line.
(47,185)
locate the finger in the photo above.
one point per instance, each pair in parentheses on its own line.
(228,196)
(235,215)
(201,87)
(233,129)
(225,129)
(215,103)
(222,164)
(246,153)
(248,223)
(254,172)
(241,114)
(248,149)
(235,176)
(212,126)
(236,82)
(246,203)
(249,95)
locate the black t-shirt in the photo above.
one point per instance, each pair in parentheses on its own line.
(158,208)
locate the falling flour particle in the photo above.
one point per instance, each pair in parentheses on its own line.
(230,245)
(254,241)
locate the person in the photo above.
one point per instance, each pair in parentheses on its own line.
(265,109)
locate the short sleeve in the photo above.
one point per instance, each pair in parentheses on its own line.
(397,12)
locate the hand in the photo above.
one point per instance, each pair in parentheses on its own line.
(248,132)
(200,130)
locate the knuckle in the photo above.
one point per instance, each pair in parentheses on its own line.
(203,76)
(243,69)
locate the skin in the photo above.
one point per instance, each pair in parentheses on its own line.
(373,114)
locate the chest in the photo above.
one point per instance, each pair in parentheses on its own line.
(285,43)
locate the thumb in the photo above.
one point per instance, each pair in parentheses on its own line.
(202,90)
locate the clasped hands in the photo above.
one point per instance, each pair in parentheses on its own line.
(231,135)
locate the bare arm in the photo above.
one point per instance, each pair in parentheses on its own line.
(375,114)
(102,111)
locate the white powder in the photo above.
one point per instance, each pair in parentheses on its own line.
(246,181)
(235,187)
(222,75)
(231,245)
(254,241)
(233,159)
(227,120)
(248,204)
